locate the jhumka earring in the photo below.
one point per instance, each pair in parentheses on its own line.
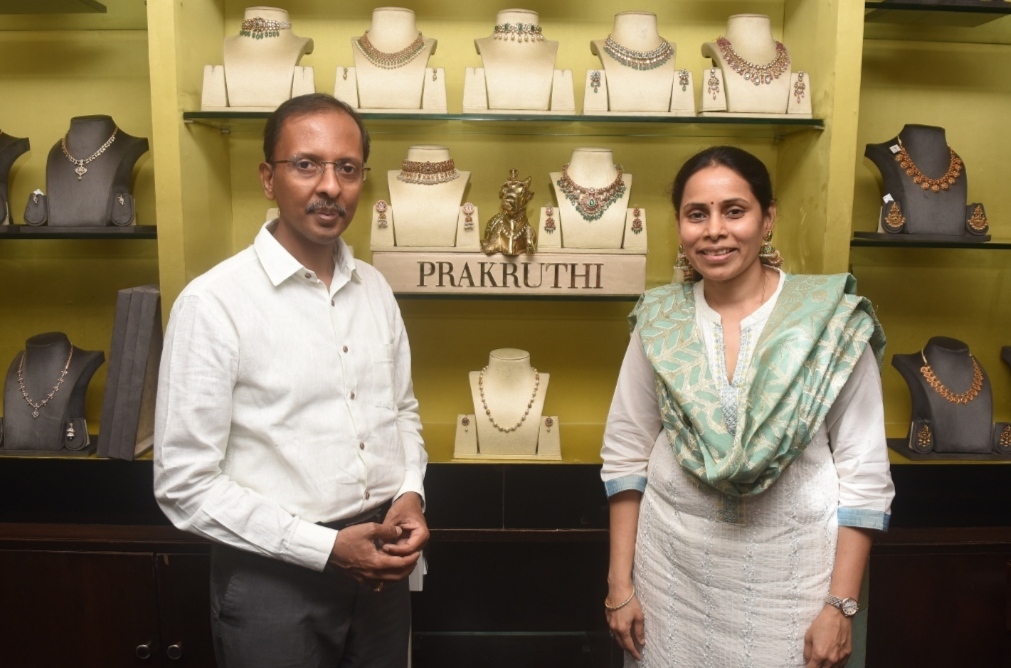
(894,220)
(768,254)
(682,264)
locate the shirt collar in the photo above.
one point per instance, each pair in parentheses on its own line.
(280,265)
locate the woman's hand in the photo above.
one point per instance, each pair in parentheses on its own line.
(829,641)
(627,621)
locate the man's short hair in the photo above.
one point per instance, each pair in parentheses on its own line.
(304,105)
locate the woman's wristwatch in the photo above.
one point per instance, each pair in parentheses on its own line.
(847,606)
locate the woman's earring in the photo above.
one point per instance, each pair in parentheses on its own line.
(768,254)
(688,273)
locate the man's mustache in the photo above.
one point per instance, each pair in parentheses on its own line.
(327,206)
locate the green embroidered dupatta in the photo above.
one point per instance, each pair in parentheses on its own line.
(814,336)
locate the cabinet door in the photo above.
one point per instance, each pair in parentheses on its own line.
(940,610)
(62,609)
(184,607)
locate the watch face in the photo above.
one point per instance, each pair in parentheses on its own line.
(849,607)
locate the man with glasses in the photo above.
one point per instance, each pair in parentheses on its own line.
(287,430)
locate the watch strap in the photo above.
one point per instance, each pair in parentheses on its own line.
(847,606)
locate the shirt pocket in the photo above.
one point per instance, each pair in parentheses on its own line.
(381,375)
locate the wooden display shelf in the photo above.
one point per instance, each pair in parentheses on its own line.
(46,232)
(51,7)
(948,15)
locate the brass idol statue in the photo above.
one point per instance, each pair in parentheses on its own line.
(508,232)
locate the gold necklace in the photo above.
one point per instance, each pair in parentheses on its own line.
(81,169)
(948,395)
(756,74)
(591,203)
(390,61)
(487,411)
(924,181)
(428,173)
(52,392)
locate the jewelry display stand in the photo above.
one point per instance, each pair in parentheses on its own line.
(952,402)
(1002,430)
(390,68)
(44,397)
(519,70)
(88,177)
(751,74)
(261,65)
(428,194)
(11,148)
(926,187)
(513,261)
(508,399)
(638,76)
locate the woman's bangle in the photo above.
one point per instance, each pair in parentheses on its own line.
(622,604)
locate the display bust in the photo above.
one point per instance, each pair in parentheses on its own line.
(391,59)
(519,63)
(755,66)
(639,64)
(11,148)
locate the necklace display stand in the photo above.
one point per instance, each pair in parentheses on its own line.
(910,211)
(261,65)
(95,193)
(639,76)
(752,52)
(426,207)
(390,68)
(11,148)
(951,414)
(518,72)
(53,423)
(507,422)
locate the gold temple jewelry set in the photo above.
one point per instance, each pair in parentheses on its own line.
(924,181)
(381,208)
(591,203)
(894,220)
(977,222)
(946,394)
(549,219)
(487,411)
(639,60)
(81,170)
(390,61)
(428,173)
(713,83)
(259,28)
(1004,440)
(756,74)
(683,79)
(56,388)
(924,437)
(518,32)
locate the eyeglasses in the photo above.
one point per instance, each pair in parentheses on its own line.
(348,172)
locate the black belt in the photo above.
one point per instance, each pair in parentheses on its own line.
(377,514)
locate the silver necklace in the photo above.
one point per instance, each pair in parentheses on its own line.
(639,60)
(487,411)
(52,392)
(81,169)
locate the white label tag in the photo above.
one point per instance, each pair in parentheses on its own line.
(895,148)
(887,198)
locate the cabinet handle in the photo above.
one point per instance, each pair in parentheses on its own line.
(143,651)
(174,651)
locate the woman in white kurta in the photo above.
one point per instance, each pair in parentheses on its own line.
(744,454)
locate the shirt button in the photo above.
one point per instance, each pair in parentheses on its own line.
(361,446)
(308,275)
(367,495)
(345,348)
(352,395)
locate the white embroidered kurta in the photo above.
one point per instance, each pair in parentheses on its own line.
(716,593)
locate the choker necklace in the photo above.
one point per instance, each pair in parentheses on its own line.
(259,28)
(390,61)
(591,203)
(56,388)
(81,170)
(948,395)
(924,181)
(519,32)
(428,173)
(639,60)
(487,411)
(756,74)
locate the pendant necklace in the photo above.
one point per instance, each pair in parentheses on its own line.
(390,61)
(81,170)
(924,181)
(948,395)
(756,74)
(639,60)
(56,388)
(591,203)
(487,411)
